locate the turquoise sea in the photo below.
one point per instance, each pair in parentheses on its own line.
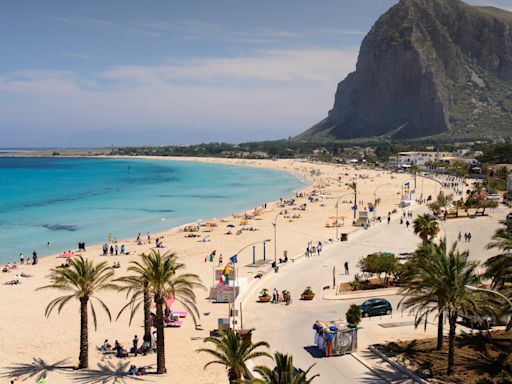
(69,200)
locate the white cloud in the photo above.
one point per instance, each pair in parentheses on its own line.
(268,95)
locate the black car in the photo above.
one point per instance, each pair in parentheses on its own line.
(376,307)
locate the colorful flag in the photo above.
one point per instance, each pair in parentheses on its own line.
(224,278)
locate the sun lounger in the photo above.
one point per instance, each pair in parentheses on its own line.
(181,314)
(173,324)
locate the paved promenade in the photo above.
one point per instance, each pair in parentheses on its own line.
(289,328)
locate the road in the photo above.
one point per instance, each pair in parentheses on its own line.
(289,328)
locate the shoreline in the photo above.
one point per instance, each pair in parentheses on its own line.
(56,338)
(174,228)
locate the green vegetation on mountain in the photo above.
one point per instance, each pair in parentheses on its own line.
(435,69)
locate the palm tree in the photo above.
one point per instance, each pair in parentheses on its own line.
(439,284)
(233,352)
(423,288)
(283,373)
(426,226)
(136,287)
(161,274)
(81,280)
(458,272)
(499,267)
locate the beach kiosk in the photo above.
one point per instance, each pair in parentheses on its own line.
(334,337)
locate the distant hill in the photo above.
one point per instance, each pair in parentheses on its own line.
(438,68)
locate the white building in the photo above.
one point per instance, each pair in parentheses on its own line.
(419,158)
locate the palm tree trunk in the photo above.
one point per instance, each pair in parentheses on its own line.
(452,319)
(160,342)
(147,317)
(234,376)
(84,333)
(440,319)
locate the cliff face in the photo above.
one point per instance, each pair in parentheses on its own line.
(427,67)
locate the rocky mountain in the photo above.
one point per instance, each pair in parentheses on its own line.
(437,68)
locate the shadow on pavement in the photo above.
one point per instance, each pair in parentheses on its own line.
(107,373)
(314,351)
(382,372)
(37,369)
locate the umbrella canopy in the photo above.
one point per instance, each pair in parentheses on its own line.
(230,225)
(170,301)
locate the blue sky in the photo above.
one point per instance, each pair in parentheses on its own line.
(126,72)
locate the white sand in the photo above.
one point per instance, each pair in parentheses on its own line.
(31,343)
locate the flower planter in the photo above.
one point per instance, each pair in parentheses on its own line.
(264,299)
(308,297)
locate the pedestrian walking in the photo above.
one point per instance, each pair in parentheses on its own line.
(469,237)
(22,259)
(220,260)
(389,219)
(407,223)
(460,236)
(346,268)
(135,345)
(319,248)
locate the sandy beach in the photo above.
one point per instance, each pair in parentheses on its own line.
(32,344)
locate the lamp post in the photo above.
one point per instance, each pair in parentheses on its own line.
(444,230)
(472,288)
(275,236)
(250,245)
(232,308)
(337,210)
(375,197)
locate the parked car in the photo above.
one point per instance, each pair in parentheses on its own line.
(479,322)
(376,307)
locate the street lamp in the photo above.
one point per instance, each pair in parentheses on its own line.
(375,198)
(231,310)
(472,288)
(275,236)
(337,210)
(249,245)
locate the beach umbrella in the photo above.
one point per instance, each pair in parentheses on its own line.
(170,301)
(231,226)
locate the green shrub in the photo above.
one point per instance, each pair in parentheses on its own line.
(354,314)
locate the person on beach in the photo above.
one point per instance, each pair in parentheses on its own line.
(220,260)
(135,344)
(22,259)
(111,250)
(319,248)
(407,223)
(117,249)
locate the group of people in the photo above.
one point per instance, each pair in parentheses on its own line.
(284,297)
(122,352)
(29,261)
(467,237)
(114,250)
(311,249)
